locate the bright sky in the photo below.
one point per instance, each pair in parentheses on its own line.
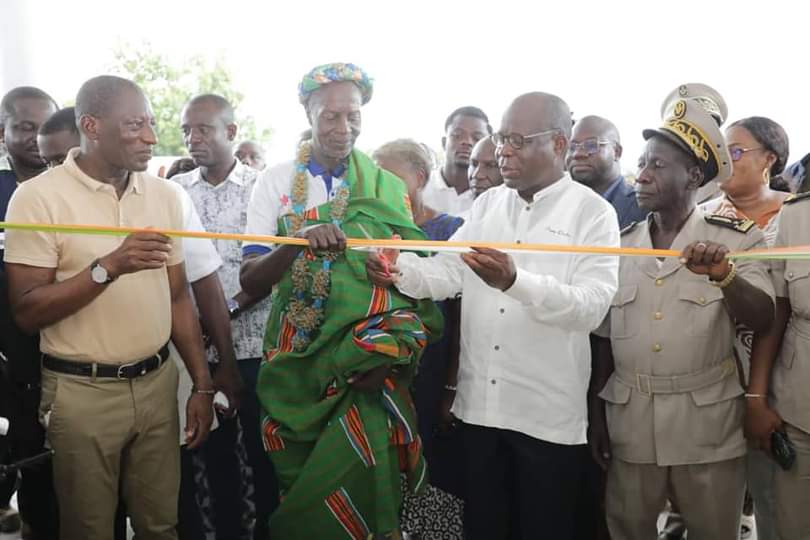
(617,59)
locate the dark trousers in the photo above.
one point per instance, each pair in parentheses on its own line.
(264,477)
(36,496)
(19,402)
(590,513)
(8,484)
(519,487)
(216,488)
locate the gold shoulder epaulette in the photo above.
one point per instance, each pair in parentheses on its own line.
(737,224)
(629,228)
(797,197)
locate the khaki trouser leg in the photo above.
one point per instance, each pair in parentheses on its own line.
(710,497)
(150,472)
(760,473)
(636,494)
(792,490)
(90,423)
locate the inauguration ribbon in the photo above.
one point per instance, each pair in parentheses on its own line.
(367,244)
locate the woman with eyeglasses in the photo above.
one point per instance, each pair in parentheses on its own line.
(755,191)
(759,149)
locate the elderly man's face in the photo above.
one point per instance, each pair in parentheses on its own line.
(334,114)
(483,171)
(126,134)
(665,176)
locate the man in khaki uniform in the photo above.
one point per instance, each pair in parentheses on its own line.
(674,402)
(784,374)
(106,309)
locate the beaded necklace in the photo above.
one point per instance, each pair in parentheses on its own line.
(305,315)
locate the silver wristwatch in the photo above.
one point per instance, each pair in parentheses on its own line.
(233,308)
(99,274)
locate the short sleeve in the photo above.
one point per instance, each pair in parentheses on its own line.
(754,271)
(202,258)
(177,222)
(263,210)
(31,248)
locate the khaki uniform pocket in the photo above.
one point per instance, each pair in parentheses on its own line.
(624,320)
(701,304)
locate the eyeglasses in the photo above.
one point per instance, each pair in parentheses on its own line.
(589,146)
(516,140)
(737,152)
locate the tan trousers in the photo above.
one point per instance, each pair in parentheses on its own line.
(792,490)
(110,435)
(710,497)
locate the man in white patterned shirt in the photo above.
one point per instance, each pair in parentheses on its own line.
(525,353)
(220,188)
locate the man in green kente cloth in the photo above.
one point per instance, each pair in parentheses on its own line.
(340,354)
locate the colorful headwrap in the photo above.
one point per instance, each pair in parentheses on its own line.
(336,72)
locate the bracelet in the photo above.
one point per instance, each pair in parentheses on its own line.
(755,396)
(450,387)
(732,273)
(210,392)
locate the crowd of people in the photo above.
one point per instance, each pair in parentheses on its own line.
(223,390)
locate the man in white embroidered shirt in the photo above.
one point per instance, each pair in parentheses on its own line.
(525,354)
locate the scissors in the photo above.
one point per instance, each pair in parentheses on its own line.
(379,251)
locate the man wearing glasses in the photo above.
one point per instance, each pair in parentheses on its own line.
(525,353)
(594,160)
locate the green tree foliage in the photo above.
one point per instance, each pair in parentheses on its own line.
(169,86)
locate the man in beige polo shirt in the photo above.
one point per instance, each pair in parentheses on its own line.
(106,308)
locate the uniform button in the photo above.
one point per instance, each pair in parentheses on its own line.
(492,381)
(497,347)
(790,274)
(528,208)
(517,241)
(502,310)
(701,301)
(659,282)
(658,315)
(657,347)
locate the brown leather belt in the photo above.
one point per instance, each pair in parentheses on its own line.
(131,370)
